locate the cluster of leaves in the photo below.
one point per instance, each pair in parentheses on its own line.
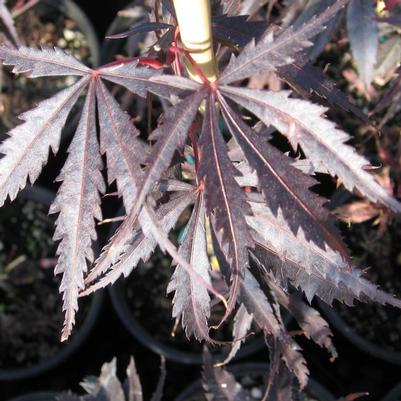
(269,230)
(362,29)
(372,29)
(107,387)
(217,384)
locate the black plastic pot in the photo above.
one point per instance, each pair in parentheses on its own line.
(394,394)
(71,10)
(41,396)
(45,196)
(313,388)
(364,345)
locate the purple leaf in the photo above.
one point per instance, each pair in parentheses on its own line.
(118,140)
(283,387)
(392,19)
(307,79)
(27,148)
(169,7)
(315,8)
(304,124)
(43,62)
(231,7)
(134,382)
(106,387)
(78,204)
(139,80)
(225,200)
(171,135)
(272,52)
(308,318)
(150,226)
(170,86)
(252,6)
(191,302)
(257,303)
(315,271)
(294,360)
(141,27)
(242,324)
(283,186)
(236,31)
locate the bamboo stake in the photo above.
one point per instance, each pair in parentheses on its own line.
(194,21)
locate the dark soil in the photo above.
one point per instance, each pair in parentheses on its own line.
(29,310)
(146,291)
(40,25)
(376,323)
(30,305)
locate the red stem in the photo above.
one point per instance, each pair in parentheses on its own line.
(197,70)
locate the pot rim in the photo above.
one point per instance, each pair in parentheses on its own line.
(360,342)
(393,393)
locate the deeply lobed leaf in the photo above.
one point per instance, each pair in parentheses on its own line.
(78,204)
(324,144)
